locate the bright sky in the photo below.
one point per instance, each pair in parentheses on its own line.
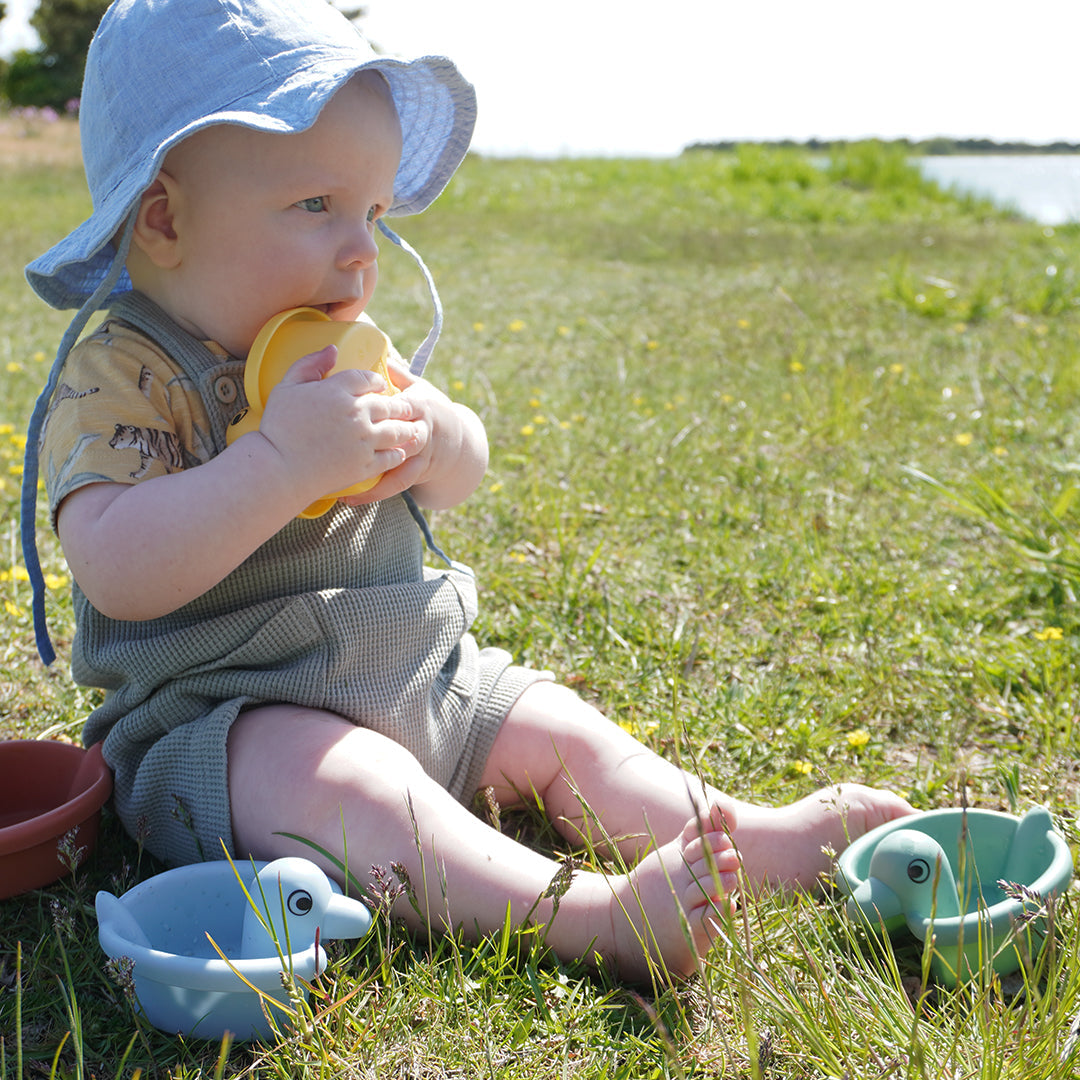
(637,77)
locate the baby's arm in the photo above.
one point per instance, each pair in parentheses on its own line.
(140,551)
(451,463)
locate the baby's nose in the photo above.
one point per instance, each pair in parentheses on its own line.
(359,248)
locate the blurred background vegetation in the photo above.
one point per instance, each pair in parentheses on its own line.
(50,76)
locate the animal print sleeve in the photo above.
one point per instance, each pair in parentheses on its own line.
(120,414)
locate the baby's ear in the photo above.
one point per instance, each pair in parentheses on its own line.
(154,233)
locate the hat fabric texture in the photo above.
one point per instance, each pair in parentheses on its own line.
(159,70)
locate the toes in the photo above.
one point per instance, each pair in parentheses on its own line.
(715,846)
(711,879)
(717,821)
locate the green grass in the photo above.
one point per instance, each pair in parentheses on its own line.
(784,477)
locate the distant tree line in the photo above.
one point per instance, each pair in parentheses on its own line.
(51,76)
(939,147)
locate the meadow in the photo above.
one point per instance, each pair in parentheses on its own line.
(784,477)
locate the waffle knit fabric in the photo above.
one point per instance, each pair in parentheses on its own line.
(336,613)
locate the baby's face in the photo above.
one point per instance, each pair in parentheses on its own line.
(268,222)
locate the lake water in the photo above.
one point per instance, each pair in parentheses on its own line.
(1043,187)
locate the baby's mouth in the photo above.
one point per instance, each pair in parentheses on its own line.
(339,309)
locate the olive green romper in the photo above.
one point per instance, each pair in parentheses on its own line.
(336,612)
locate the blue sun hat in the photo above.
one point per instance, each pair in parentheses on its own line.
(158,71)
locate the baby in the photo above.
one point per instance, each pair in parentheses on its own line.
(270,677)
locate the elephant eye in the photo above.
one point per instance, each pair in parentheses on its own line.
(299,902)
(918,870)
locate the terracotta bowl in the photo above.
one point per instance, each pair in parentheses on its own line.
(47,789)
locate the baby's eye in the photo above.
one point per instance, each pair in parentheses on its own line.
(317,205)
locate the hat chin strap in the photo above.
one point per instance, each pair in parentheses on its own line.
(427,346)
(28,505)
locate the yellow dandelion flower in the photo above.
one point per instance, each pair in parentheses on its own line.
(743,324)
(858,739)
(803,768)
(56,581)
(20,573)
(896,369)
(727,399)
(528,429)
(18,439)
(965,438)
(496,487)
(652,345)
(39,357)
(518,556)
(669,406)
(7,429)
(578,418)
(478,327)
(562,331)
(627,726)
(564,424)
(14,610)
(637,401)
(1000,451)
(539,418)
(1051,633)
(516,326)
(14,367)
(959,328)
(457,384)
(534,402)
(15,468)
(795,367)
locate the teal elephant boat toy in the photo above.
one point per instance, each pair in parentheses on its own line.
(972,882)
(265,918)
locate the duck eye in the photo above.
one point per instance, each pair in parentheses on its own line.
(918,870)
(299,902)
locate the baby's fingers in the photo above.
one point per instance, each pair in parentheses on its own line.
(405,435)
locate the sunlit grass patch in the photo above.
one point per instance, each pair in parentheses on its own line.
(713,396)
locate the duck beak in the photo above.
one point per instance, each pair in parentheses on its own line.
(344,918)
(875,904)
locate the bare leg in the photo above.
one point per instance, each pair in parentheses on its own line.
(317,776)
(556,747)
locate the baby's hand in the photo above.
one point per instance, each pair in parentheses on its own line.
(331,433)
(450,455)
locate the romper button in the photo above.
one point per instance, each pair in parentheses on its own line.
(225,389)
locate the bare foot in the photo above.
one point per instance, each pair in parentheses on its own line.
(663,907)
(782,846)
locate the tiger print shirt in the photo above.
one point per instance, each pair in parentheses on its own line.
(123,412)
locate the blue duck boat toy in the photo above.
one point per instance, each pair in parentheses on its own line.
(972,881)
(164,925)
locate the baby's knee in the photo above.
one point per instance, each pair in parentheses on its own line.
(297,770)
(366,758)
(281,751)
